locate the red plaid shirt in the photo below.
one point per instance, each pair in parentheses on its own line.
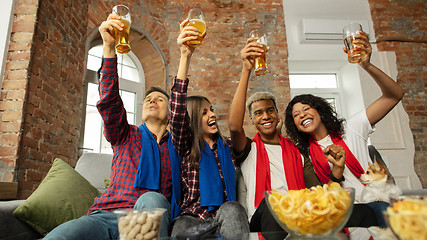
(125,140)
(181,138)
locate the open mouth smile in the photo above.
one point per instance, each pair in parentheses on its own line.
(212,123)
(267,124)
(306,122)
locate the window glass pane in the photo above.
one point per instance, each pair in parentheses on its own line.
(128,99)
(128,61)
(92,133)
(93,63)
(105,146)
(130,74)
(131,118)
(119,58)
(92,94)
(96,51)
(313,81)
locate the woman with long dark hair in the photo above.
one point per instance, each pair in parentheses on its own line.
(208,170)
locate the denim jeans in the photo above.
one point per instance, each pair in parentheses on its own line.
(231,216)
(102,224)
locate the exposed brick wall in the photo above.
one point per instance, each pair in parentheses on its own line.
(49,85)
(216,65)
(401,27)
(14,88)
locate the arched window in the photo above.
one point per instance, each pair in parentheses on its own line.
(132,87)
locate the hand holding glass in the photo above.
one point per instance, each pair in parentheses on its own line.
(196,19)
(122,37)
(355,54)
(260,61)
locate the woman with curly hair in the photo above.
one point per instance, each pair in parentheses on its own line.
(313,125)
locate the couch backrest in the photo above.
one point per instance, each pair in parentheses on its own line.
(95,167)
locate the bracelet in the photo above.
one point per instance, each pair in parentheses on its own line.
(334,179)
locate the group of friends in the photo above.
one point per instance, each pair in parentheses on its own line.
(191,169)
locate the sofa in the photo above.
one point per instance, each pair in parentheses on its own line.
(94,167)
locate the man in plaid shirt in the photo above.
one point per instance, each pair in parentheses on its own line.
(127,142)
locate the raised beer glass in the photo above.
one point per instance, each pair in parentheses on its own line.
(122,37)
(355,54)
(197,19)
(260,62)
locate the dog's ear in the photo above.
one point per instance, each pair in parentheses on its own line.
(379,163)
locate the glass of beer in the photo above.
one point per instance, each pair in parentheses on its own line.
(197,19)
(355,54)
(260,61)
(122,37)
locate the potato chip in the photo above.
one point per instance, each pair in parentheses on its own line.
(408,218)
(317,210)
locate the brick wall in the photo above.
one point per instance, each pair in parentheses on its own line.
(216,65)
(14,88)
(401,27)
(42,93)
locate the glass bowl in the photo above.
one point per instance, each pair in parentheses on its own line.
(139,223)
(318,212)
(407,217)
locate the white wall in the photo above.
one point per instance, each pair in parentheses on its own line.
(6,18)
(392,136)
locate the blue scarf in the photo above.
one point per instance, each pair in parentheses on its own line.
(211,188)
(148,173)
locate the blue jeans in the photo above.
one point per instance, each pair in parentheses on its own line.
(102,224)
(379,207)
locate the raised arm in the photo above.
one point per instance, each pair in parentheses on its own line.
(237,111)
(392,93)
(178,116)
(110,105)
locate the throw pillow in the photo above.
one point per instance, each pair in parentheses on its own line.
(63,195)
(106,182)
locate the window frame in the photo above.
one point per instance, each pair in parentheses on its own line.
(125,85)
(321,92)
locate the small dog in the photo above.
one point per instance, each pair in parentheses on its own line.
(380,186)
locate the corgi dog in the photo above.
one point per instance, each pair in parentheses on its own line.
(380,186)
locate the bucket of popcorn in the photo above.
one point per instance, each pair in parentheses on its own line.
(407,217)
(319,212)
(139,223)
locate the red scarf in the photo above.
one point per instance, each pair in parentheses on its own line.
(292,164)
(321,164)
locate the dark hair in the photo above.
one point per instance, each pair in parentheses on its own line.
(333,124)
(156,89)
(195,111)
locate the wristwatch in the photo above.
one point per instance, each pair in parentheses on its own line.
(333,178)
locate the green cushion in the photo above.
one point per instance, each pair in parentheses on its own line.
(63,195)
(106,182)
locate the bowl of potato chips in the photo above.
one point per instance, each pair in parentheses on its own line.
(407,217)
(319,212)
